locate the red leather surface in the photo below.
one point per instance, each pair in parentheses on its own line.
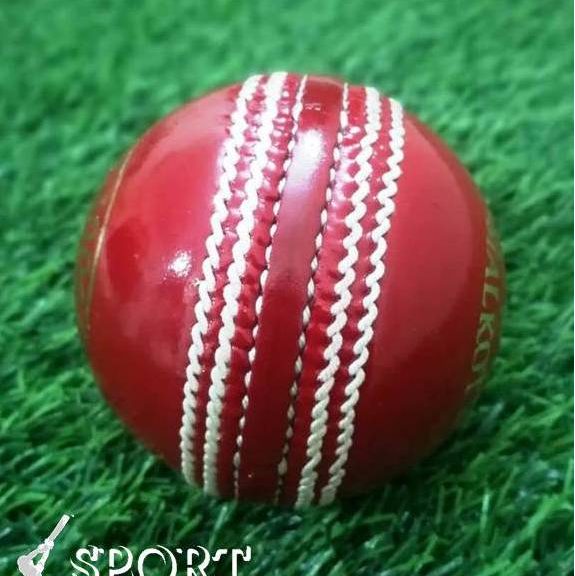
(141,260)
(419,365)
(153,247)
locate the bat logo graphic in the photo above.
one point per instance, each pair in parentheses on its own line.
(26,563)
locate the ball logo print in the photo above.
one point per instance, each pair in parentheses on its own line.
(488,326)
(289,289)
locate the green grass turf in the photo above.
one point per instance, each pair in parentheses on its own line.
(81,79)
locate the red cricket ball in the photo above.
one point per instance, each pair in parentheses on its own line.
(290,288)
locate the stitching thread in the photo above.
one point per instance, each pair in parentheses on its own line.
(230,159)
(306,316)
(231,291)
(326,377)
(365,325)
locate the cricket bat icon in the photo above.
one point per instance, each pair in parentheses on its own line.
(26,563)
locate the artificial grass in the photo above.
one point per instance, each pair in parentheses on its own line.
(81,80)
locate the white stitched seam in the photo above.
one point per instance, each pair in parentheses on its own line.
(283,465)
(372,281)
(229,162)
(295,114)
(342,292)
(231,292)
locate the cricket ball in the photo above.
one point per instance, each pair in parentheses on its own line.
(289,289)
